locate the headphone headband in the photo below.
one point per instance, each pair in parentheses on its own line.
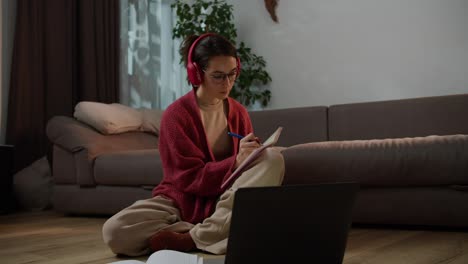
(194,44)
(194,73)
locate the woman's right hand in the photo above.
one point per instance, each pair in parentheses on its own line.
(246,145)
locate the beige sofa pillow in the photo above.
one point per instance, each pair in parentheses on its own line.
(109,118)
(151,120)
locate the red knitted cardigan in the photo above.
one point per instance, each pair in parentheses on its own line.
(192,175)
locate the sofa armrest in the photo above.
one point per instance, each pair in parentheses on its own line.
(401,162)
(73,136)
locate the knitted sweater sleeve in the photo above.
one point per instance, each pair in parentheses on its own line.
(187,164)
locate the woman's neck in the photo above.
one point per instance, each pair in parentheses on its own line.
(205,100)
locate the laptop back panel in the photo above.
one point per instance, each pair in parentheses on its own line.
(291,224)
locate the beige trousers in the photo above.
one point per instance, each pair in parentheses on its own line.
(128,231)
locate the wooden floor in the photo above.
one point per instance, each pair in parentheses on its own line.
(48,237)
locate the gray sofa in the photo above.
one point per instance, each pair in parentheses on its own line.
(410,157)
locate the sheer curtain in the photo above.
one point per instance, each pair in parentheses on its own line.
(151,75)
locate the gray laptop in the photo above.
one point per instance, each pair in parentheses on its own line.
(291,224)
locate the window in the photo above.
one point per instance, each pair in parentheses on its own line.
(151,75)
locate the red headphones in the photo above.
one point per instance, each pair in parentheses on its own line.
(195,74)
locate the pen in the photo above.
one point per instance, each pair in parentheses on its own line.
(235,135)
(241,137)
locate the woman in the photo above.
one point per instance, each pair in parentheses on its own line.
(189,209)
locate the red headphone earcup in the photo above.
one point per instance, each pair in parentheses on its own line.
(193,74)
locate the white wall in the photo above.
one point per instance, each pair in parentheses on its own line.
(7,19)
(326,52)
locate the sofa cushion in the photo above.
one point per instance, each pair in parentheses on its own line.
(415,117)
(419,161)
(429,206)
(301,124)
(129,168)
(101,200)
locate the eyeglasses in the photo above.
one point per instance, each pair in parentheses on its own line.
(219,78)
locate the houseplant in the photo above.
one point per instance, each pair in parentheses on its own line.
(216,16)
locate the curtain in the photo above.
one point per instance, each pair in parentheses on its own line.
(65,51)
(151,73)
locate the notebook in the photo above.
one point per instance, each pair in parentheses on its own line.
(271,141)
(291,224)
